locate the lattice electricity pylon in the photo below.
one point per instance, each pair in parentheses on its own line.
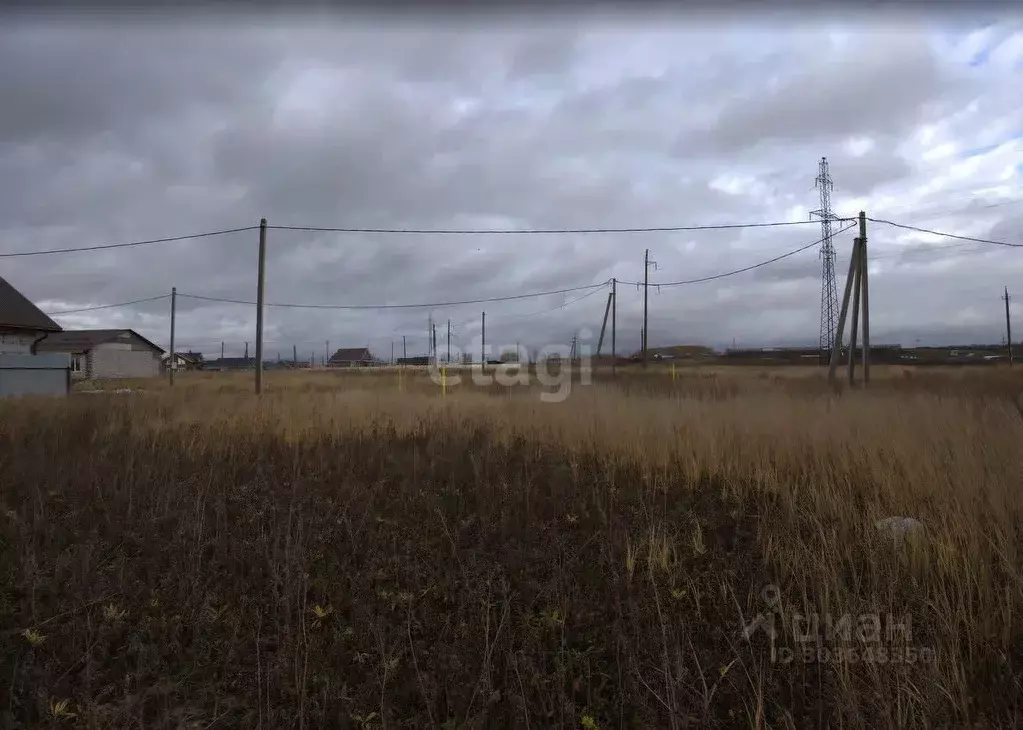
(829,293)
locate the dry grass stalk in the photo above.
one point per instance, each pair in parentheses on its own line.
(342,553)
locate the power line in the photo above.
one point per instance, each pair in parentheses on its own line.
(424,231)
(129,244)
(746,268)
(927,253)
(552,231)
(108,306)
(946,235)
(397,306)
(941,211)
(552,309)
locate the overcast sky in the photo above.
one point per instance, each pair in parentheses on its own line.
(119,130)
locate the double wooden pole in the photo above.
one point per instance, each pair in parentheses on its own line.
(856,288)
(603,324)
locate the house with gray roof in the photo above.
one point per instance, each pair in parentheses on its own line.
(351,357)
(102,354)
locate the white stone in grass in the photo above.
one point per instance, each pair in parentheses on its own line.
(899,527)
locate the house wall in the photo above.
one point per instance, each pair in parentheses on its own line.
(18,343)
(22,375)
(122,360)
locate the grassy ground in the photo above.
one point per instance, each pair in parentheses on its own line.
(345,553)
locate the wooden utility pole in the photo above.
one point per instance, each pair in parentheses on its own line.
(603,325)
(854,322)
(855,287)
(392,352)
(866,298)
(647,263)
(404,348)
(246,353)
(646,291)
(449,342)
(429,338)
(171,361)
(294,355)
(436,355)
(1008,326)
(221,350)
(483,343)
(259,305)
(836,351)
(614,324)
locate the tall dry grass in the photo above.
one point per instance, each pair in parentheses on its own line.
(344,553)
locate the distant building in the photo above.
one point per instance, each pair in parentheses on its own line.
(420,360)
(185,361)
(352,357)
(99,354)
(231,363)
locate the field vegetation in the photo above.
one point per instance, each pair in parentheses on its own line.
(357,550)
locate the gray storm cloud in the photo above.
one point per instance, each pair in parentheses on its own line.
(150,129)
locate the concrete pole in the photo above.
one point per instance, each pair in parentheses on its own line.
(259,305)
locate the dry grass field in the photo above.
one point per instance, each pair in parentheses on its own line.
(342,553)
